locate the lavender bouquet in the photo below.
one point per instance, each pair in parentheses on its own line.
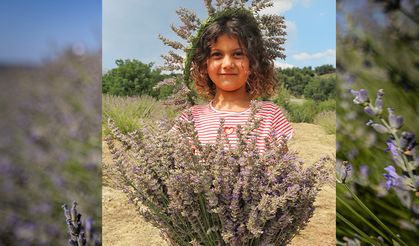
(210,194)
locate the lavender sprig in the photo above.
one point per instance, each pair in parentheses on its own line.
(401,145)
(343,171)
(80,234)
(402,149)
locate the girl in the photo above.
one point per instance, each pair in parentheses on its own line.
(230,66)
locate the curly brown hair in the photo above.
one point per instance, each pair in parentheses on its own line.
(244,27)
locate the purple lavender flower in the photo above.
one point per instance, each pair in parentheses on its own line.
(363,170)
(395,121)
(395,154)
(348,172)
(408,141)
(344,171)
(370,111)
(379,101)
(361,96)
(392,148)
(392,177)
(363,175)
(377,127)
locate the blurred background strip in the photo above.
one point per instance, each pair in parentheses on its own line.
(377,48)
(50,101)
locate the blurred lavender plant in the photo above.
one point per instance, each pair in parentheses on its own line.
(80,235)
(49,146)
(213,195)
(377,46)
(400,145)
(404,181)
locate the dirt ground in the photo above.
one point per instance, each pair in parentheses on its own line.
(123,226)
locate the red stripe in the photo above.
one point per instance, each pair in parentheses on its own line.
(207,122)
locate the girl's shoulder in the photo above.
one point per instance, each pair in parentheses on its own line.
(267,107)
(267,104)
(198,109)
(193,111)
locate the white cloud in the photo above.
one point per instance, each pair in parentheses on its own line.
(283,65)
(279,7)
(291,29)
(304,56)
(306,3)
(282,6)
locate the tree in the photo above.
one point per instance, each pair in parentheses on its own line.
(324,69)
(130,78)
(295,79)
(321,88)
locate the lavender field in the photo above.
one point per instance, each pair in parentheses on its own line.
(49,147)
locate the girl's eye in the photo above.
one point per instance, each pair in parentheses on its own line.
(238,54)
(216,54)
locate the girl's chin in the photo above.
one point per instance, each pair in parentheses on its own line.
(229,88)
(230,83)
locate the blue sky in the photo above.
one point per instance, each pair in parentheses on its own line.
(32,31)
(130,29)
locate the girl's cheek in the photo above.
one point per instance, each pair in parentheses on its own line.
(244,68)
(213,65)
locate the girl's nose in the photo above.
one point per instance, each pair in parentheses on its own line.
(228,62)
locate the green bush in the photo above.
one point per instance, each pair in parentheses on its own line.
(134,78)
(302,112)
(306,111)
(321,88)
(317,84)
(325,69)
(327,120)
(131,113)
(328,105)
(282,97)
(295,79)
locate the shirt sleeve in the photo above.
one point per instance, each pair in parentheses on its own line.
(281,125)
(182,117)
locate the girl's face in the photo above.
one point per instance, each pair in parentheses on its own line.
(228,65)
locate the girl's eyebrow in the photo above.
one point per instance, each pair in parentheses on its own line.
(236,49)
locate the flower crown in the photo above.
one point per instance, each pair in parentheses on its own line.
(272,28)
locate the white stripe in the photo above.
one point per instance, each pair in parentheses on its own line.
(207,123)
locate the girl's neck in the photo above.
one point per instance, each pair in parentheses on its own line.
(231,102)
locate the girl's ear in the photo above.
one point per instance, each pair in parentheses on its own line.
(206,69)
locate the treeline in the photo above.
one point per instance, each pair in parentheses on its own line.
(318,84)
(134,78)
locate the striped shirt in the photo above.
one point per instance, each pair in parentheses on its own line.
(207,122)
